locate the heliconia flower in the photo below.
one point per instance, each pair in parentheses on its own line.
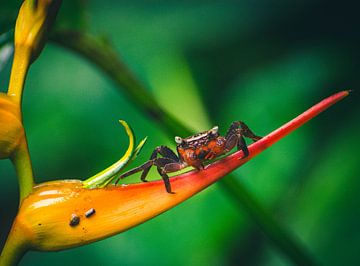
(64,214)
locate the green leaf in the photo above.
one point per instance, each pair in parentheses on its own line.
(106,176)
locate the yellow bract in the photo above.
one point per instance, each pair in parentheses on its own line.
(11,128)
(33,21)
(30,25)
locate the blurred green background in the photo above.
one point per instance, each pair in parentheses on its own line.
(208,63)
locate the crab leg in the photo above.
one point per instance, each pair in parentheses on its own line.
(169,163)
(235,136)
(241,145)
(142,167)
(163,151)
(246,132)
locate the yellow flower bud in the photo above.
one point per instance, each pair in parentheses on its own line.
(11,128)
(33,20)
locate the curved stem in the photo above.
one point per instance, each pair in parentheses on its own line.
(103,55)
(21,158)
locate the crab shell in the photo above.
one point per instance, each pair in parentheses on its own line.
(196,149)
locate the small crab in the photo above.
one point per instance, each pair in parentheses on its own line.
(194,151)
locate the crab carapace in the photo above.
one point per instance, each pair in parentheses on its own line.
(194,151)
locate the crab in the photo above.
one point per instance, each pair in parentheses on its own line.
(195,151)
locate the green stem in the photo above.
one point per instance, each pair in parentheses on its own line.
(22,163)
(15,247)
(103,55)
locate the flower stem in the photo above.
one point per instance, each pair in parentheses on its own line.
(21,157)
(22,163)
(15,247)
(18,72)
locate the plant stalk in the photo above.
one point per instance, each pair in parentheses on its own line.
(22,163)
(15,247)
(19,71)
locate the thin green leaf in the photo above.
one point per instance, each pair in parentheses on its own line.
(105,177)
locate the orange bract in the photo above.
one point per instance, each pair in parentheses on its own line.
(11,129)
(44,216)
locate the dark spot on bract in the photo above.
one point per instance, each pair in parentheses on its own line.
(90,212)
(75,220)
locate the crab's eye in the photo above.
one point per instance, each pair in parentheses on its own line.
(214,130)
(178,140)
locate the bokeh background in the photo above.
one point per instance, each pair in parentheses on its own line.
(208,63)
